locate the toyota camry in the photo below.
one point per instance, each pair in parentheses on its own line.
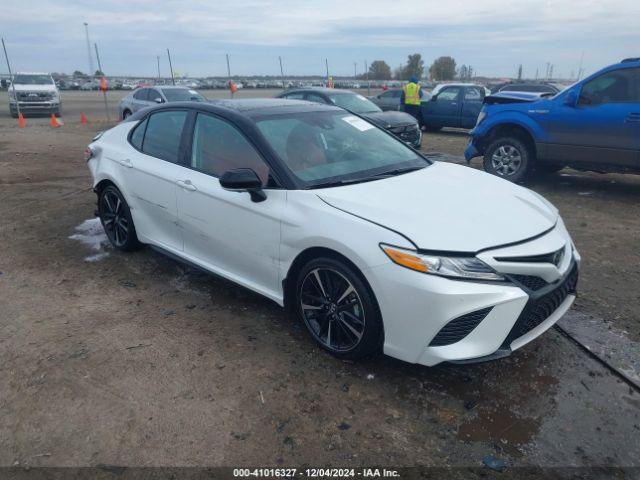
(373,246)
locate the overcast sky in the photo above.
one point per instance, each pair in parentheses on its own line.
(493,36)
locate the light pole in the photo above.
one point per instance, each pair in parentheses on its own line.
(86,31)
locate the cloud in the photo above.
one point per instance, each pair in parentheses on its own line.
(525,31)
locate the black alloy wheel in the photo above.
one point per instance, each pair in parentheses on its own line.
(116,220)
(338,309)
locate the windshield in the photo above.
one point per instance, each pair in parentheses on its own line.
(323,148)
(182,95)
(353,102)
(33,80)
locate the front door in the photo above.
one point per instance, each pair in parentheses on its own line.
(603,127)
(444,108)
(223,230)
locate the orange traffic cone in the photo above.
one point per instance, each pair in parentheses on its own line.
(21,122)
(54,121)
(83,118)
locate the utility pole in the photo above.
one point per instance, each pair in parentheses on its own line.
(229,75)
(580,67)
(326,62)
(366,69)
(173,80)
(13,87)
(551,72)
(281,72)
(86,31)
(158,59)
(520,72)
(104,91)
(355,70)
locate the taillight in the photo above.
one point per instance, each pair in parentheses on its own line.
(88,154)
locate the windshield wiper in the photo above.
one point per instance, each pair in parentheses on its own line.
(377,176)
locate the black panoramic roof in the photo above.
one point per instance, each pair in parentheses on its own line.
(631,60)
(248,108)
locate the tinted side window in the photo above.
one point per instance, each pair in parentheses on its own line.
(219,147)
(473,94)
(448,94)
(153,94)
(619,86)
(138,134)
(313,97)
(295,96)
(162,137)
(141,94)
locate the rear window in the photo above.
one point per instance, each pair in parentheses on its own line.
(163,133)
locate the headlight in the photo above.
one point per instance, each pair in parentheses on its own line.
(469,268)
(481,117)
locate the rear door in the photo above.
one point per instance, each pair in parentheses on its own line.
(444,109)
(604,125)
(224,230)
(151,172)
(141,99)
(471,106)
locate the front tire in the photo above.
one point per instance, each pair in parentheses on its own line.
(126,114)
(116,220)
(509,158)
(339,309)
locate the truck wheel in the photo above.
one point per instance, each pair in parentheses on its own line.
(509,158)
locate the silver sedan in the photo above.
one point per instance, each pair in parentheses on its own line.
(147,96)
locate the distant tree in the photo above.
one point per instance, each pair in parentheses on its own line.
(78,73)
(398,73)
(414,67)
(520,72)
(465,72)
(443,68)
(379,70)
(99,73)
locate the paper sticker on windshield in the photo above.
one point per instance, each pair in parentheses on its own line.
(193,92)
(358,123)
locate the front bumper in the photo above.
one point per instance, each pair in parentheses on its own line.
(516,314)
(471,151)
(35,107)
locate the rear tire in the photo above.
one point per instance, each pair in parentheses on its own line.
(126,114)
(338,309)
(116,220)
(509,158)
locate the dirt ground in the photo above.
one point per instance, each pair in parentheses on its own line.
(135,359)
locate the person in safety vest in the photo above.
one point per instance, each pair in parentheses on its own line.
(410,98)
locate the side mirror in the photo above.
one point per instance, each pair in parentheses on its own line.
(158,100)
(434,98)
(570,99)
(244,180)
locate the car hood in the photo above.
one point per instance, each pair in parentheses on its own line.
(389,119)
(33,88)
(448,207)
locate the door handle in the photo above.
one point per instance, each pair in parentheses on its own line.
(126,163)
(187,185)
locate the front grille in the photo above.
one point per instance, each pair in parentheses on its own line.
(530,281)
(33,96)
(540,306)
(408,133)
(554,258)
(458,328)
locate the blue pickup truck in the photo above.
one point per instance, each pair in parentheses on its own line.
(592,125)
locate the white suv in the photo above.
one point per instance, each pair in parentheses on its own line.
(34,93)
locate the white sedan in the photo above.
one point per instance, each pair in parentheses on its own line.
(372,245)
